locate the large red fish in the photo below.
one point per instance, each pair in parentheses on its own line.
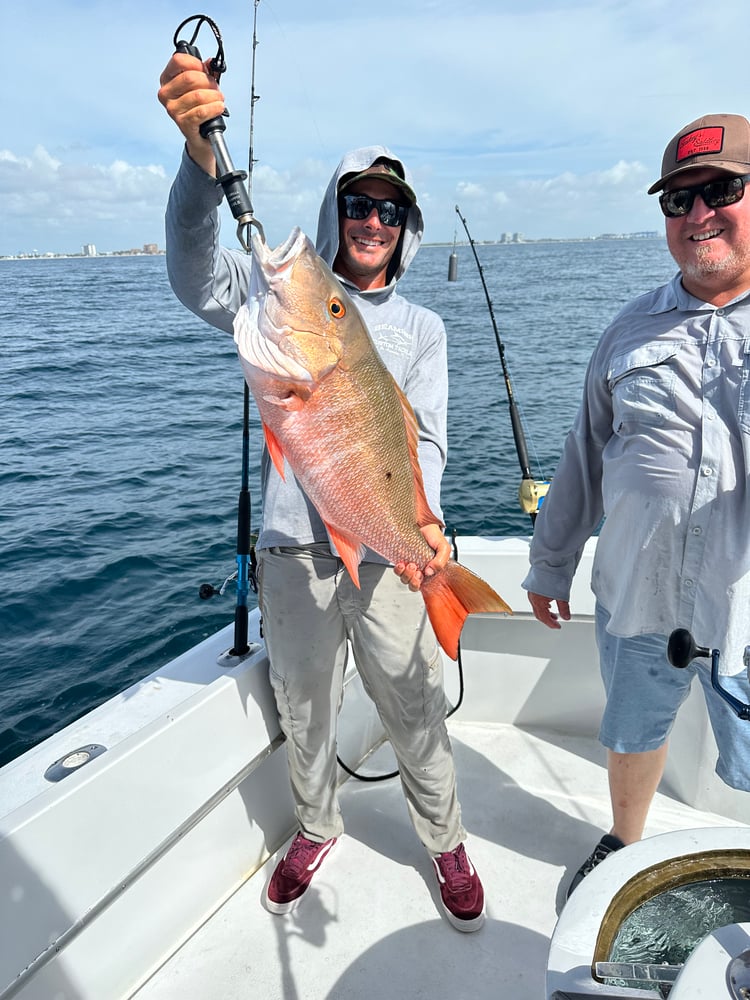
(332,410)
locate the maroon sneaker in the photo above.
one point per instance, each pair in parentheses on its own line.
(294,873)
(461,891)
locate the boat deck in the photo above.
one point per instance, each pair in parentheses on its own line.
(159,846)
(534,803)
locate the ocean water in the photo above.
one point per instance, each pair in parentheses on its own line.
(122,432)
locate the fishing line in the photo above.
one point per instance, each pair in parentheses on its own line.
(303,107)
(531,492)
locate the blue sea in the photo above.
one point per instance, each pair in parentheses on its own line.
(122,434)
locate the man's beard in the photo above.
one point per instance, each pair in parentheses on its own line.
(705,265)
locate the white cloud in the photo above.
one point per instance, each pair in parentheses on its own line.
(43,194)
(469,189)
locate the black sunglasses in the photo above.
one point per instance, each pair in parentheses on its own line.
(359,206)
(715,194)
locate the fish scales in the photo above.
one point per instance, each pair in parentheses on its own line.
(365,481)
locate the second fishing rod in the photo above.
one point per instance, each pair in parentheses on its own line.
(532,491)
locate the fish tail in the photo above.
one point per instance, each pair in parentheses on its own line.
(451,595)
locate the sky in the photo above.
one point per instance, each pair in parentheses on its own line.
(541,117)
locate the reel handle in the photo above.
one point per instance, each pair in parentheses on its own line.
(682,648)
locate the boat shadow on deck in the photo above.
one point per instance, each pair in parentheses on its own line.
(370,925)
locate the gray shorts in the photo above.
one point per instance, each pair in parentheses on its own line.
(644,693)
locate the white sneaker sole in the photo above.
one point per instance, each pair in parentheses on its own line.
(465,926)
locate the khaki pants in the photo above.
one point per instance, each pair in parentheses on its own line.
(310,608)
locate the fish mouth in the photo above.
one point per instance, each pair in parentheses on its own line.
(272,270)
(278,260)
(270,334)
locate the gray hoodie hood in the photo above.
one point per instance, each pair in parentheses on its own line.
(327,242)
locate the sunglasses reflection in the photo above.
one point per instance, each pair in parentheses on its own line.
(360,206)
(715,194)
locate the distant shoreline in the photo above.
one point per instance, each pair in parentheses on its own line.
(527,241)
(521,241)
(82,256)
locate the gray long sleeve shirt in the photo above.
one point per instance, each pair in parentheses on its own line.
(661,449)
(212,281)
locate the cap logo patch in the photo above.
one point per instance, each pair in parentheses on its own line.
(700,142)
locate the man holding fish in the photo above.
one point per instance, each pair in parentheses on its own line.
(351,385)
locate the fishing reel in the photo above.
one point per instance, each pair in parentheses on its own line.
(246,574)
(232,181)
(682,650)
(531,494)
(207,590)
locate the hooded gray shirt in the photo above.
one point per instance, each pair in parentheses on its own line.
(213,281)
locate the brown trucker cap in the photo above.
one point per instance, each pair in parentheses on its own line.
(721,141)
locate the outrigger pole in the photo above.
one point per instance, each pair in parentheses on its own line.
(532,491)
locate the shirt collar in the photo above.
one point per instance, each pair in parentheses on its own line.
(675,296)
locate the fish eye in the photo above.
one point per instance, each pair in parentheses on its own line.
(337,309)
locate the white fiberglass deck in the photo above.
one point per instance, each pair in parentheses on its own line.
(149,850)
(534,803)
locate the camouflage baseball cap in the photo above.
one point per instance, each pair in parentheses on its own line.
(384,170)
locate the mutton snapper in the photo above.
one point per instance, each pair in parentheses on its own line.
(332,410)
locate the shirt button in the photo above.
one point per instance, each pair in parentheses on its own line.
(707,470)
(697,530)
(688,584)
(719,312)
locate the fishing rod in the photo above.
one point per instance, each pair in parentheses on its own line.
(246,560)
(532,491)
(238,198)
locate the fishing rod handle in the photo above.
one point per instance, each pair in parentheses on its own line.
(216,124)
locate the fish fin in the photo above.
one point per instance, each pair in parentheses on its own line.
(451,595)
(274,450)
(424,513)
(350,551)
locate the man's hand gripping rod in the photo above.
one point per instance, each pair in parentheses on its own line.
(231,180)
